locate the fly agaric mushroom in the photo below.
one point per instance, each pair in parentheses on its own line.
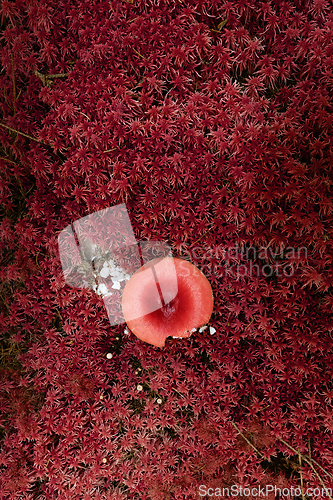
(166,297)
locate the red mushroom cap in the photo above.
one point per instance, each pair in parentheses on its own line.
(168,296)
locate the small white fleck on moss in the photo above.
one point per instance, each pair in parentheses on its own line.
(139,387)
(109,355)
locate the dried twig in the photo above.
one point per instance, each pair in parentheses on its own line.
(47,79)
(301,475)
(206,232)
(14,83)
(220,26)
(308,459)
(22,133)
(137,52)
(248,442)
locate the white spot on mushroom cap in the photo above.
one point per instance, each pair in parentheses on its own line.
(105,272)
(102,289)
